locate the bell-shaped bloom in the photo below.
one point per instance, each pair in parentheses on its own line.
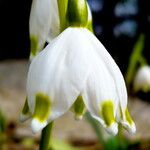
(76,70)
(44,23)
(142,79)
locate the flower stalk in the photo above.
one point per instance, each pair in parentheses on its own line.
(77,13)
(45,142)
(62,7)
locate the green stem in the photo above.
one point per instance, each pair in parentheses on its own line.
(45,142)
(62,7)
(135,59)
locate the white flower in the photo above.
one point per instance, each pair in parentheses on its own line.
(75,66)
(44,23)
(142,79)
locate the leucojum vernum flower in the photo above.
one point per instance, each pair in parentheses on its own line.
(73,72)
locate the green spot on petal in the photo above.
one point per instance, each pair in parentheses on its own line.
(25,110)
(107,112)
(42,107)
(128,117)
(79,107)
(34,45)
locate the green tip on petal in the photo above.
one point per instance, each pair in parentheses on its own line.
(79,108)
(33,46)
(128,123)
(107,112)
(128,117)
(112,129)
(42,107)
(25,112)
(25,108)
(77,13)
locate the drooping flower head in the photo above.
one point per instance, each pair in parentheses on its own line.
(75,70)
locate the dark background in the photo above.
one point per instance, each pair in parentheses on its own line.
(118,31)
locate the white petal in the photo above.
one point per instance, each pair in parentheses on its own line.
(60,71)
(44,19)
(37,126)
(112,68)
(117,76)
(100,87)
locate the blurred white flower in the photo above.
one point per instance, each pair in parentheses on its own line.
(75,70)
(44,23)
(142,79)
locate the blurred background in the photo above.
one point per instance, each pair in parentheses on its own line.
(118,24)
